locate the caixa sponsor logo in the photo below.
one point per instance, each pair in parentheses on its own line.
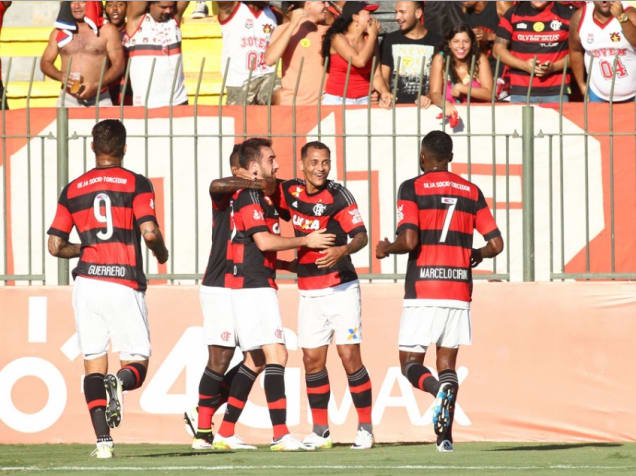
(303,223)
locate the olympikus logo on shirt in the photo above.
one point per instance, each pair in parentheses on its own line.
(446,183)
(108,271)
(443,274)
(544,37)
(94,180)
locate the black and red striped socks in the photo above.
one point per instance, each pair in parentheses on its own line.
(276,400)
(239,390)
(360,388)
(318,393)
(132,376)
(95,395)
(421,377)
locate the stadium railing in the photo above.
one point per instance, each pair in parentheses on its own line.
(528,135)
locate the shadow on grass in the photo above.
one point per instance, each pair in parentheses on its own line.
(177,454)
(557,446)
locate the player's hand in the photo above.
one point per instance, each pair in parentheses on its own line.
(244,174)
(475,257)
(331,256)
(381,249)
(319,239)
(269,185)
(162,256)
(616,9)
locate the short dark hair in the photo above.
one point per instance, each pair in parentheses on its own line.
(234,156)
(250,150)
(439,144)
(313,145)
(109,138)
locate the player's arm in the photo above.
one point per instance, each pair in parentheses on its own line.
(266,241)
(154,240)
(493,247)
(7,4)
(577,62)
(333,254)
(48,58)
(406,241)
(61,248)
(232,184)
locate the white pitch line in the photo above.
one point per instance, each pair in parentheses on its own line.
(310,467)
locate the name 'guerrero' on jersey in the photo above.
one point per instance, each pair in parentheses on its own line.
(445,210)
(332,208)
(107,205)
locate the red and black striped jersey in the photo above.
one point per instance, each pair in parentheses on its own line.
(252,212)
(444,209)
(107,205)
(332,208)
(219,262)
(541,33)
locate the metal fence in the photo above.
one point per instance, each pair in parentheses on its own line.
(551,143)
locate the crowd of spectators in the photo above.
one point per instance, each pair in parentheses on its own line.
(332,47)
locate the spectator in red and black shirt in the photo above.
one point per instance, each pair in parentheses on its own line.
(111,207)
(532,30)
(438,212)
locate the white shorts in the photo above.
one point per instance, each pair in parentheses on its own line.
(109,311)
(335,315)
(257,317)
(422,326)
(218,318)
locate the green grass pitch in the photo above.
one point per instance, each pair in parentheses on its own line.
(386,459)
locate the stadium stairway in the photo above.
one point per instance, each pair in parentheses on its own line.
(201,39)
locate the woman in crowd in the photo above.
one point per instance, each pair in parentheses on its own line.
(461,47)
(353,35)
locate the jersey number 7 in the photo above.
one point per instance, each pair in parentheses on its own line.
(452,203)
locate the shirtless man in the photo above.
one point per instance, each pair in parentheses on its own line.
(87,51)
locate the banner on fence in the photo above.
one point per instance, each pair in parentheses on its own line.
(549,362)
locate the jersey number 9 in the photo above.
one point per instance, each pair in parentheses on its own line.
(101,199)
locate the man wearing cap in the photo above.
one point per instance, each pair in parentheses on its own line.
(296,42)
